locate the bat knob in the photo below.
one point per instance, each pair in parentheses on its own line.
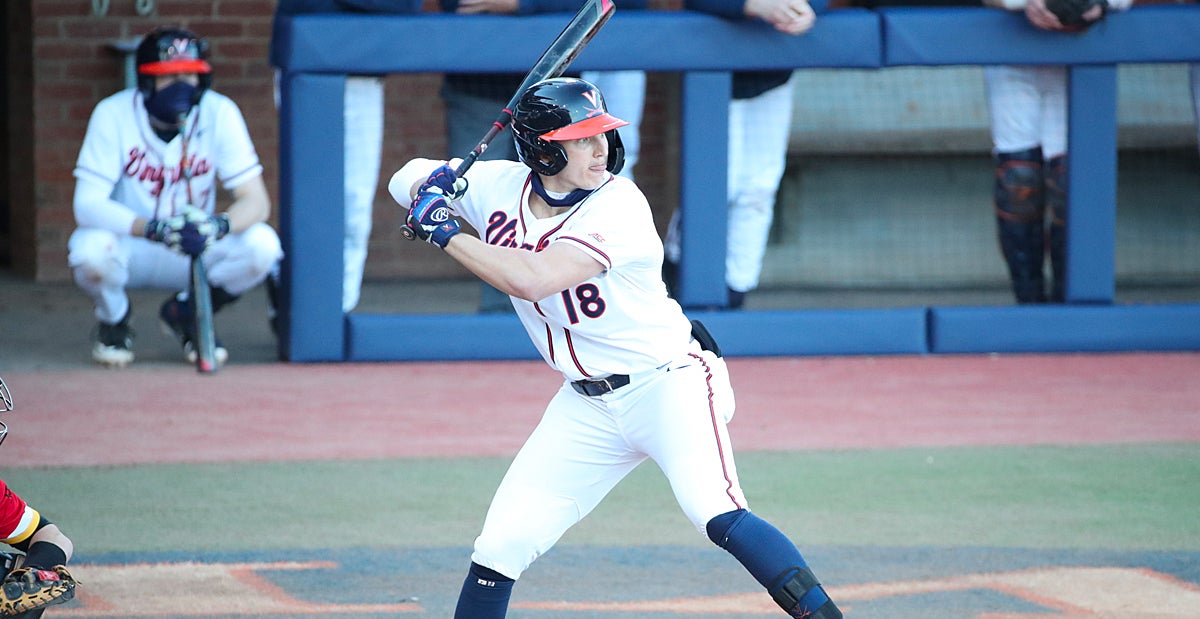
(408,233)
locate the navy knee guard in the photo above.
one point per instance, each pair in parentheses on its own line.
(1020,210)
(719,527)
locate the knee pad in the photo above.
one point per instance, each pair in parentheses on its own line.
(1019,190)
(719,527)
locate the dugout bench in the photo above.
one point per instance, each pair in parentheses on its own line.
(318,51)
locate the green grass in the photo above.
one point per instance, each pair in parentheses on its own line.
(1113,497)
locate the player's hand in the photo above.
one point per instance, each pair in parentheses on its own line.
(429,219)
(165,231)
(175,232)
(445,180)
(1041,17)
(200,230)
(189,233)
(786,16)
(213,227)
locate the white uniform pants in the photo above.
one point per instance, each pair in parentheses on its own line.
(105,265)
(759,129)
(1028,107)
(584,446)
(362,111)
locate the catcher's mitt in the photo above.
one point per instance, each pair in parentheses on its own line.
(1077,15)
(27,589)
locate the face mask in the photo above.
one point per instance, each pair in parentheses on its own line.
(171,103)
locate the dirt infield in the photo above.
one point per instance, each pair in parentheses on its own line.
(180,456)
(416,410)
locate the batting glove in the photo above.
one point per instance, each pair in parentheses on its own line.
(162,230)
(429,218)
(445,180)
(211,226)
(193,240)
(189,233)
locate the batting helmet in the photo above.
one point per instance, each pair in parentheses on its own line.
(560,109)
(6,404)
(168,51)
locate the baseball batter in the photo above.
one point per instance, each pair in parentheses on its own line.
(40,577)
(1028,107)
(146,192)
(575,247)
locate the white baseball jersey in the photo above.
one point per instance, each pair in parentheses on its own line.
(675,406)
(620,322)
(148,175)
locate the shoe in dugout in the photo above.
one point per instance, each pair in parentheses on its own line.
(177,319)
(114,344)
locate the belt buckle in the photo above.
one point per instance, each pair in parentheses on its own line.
(594,388)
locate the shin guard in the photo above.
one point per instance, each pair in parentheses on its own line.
(1056,203)
(773,560)
(1020,213)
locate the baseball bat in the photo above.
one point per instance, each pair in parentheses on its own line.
(201,296)
(554,61)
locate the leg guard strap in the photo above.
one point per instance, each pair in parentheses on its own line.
(801,596)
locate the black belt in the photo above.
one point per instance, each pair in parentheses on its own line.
(600,386)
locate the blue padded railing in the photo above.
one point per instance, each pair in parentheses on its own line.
(317,52)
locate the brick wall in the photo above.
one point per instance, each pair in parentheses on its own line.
(74,65)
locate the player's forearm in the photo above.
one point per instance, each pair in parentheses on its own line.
(251,205)
(505,269)
(94,209)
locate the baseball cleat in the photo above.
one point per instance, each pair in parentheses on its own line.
(114,344)
(176,318)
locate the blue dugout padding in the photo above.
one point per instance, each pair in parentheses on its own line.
(818,332)
(316,52)
(1064,328)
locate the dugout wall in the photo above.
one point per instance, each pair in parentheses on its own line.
(319,51)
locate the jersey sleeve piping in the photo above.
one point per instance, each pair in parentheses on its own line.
(605,259)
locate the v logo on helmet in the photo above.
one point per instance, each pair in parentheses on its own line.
(592,98)
(180,48)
